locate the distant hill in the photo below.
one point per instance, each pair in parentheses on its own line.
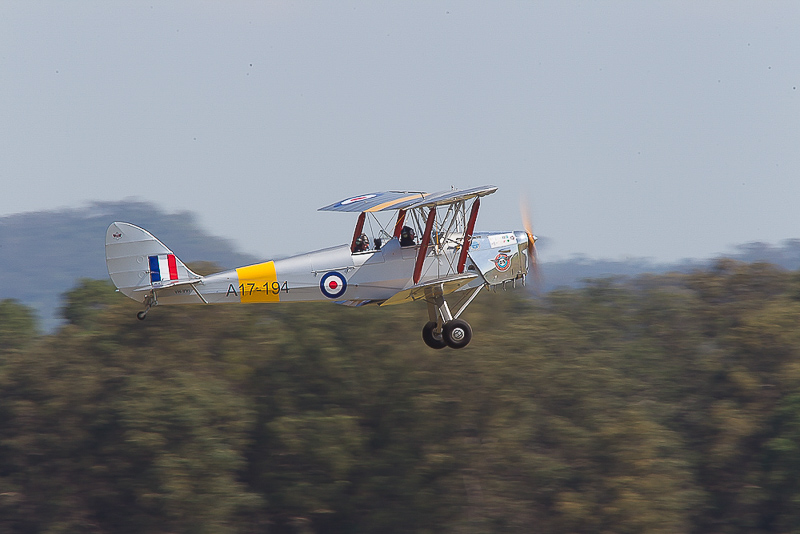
(43,254)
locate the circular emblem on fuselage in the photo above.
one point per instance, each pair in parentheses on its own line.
(502,262)
(333,285)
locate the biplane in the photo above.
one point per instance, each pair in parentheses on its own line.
(426,251)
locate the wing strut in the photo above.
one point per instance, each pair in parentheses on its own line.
(359,228)
(423,248)
(473,214)
(401,218)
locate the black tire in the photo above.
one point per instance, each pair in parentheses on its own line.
(457,333)
(430,338)
(141,315)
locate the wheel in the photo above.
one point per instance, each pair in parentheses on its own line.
(457,333)
(432,339)
(141,315)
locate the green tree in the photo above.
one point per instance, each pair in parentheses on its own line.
(17,325)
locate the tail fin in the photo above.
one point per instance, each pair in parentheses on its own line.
(137,260)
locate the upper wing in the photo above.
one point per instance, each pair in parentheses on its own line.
(453,196)
(398,200)
(385,200)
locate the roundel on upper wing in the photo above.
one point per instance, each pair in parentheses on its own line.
(356,199)
(333,285)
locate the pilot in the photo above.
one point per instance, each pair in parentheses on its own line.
(407,237)
(362,243)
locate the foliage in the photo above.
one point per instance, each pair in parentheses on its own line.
(17,325)
(664,403)
(87,301)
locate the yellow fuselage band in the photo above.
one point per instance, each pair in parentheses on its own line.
(258,283)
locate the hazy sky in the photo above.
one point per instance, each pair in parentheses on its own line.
(649,129)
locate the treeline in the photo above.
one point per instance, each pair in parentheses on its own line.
(73,239)
(658,404)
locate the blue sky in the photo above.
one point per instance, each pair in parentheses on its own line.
(665,130)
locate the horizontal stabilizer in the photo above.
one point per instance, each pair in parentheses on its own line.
(170,283)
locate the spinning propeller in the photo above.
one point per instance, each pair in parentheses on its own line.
(533,257)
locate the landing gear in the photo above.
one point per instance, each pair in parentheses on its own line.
(457,333)
(443,327)
(431,338)
(149,301)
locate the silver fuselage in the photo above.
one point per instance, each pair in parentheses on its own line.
(335,274)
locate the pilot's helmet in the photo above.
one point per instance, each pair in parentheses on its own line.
(407,233)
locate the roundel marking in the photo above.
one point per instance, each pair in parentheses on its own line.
(502,261)
(333,285)
(356,199)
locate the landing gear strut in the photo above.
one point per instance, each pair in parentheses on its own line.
(444,330)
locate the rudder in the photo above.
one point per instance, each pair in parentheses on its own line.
(135,258)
